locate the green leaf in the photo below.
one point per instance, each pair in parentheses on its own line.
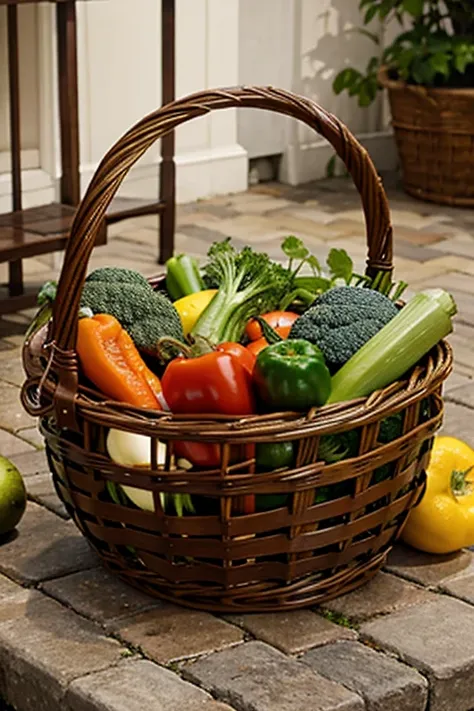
(355,88)
(385,8)
(294,248)
(439,63)
(315,284)
(463,56)
(362,31)
(331,167)
(368,91)
(340,264)
(373,65)
(313,261)
(423,73)
(344,79)
(47,293)
(414,7)
(370,14)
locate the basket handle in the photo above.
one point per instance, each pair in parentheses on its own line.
(133,144)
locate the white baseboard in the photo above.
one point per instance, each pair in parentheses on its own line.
(303,163)
(218,171)
(202,174)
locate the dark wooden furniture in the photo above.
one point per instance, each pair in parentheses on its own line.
(39,230)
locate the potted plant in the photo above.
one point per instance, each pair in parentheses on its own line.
(428,71)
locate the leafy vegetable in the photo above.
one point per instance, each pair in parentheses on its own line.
(340,265)
(249,283)
(397,347)
(45,300)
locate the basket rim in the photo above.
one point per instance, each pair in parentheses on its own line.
(423,378)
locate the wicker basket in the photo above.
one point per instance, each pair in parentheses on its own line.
(219,559)
(434,131)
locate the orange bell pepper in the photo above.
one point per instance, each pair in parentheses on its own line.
(110,359)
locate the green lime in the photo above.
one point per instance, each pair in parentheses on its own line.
(12,496)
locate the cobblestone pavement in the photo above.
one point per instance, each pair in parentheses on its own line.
(72,638)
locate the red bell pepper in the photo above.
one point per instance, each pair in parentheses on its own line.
(216,382)
(243,355)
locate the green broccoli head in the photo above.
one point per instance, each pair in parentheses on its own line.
(155,318)
(341,320)
(119,275)
(146,315)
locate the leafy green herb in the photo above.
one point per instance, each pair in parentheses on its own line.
(340,265)
(294,248)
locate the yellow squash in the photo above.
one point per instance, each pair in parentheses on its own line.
(191,307)
(443,522)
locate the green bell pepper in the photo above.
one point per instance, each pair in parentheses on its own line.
(292,375)
(269,456)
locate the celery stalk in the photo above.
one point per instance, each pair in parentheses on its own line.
(397,347)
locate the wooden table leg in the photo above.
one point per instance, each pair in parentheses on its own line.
(167,168)
(15,269)
(68,101)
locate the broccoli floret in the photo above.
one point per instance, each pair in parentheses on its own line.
(391,428)
(144,313)
(156,318)
(119,275)
(341,320)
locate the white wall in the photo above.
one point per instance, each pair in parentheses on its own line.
(119,51)
(29,98)
(301,45)
(265,59)
(120,82)
(295,44)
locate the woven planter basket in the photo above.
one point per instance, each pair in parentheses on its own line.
(434,132)
(219,559)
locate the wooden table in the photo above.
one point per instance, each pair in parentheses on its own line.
(44,229)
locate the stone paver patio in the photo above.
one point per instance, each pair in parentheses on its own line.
(72,638)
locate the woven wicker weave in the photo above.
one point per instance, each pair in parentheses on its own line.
(434,131)
(297,555)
